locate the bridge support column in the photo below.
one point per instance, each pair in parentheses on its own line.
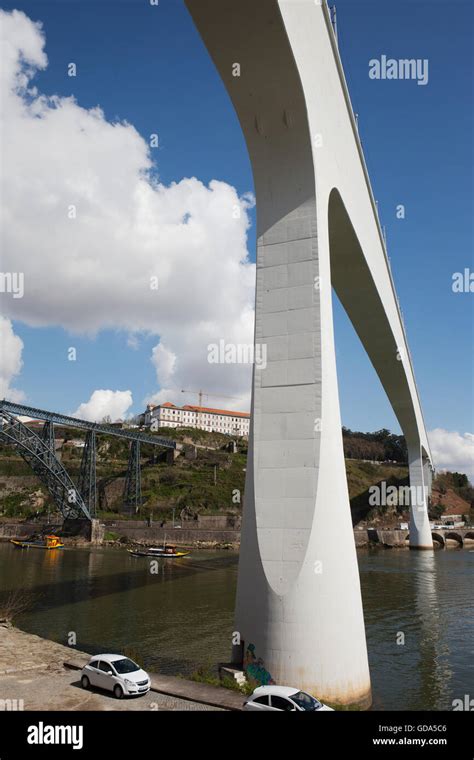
(428,474)
(132,494)
(47,436)
(420,531)
(298,607)
(87,484)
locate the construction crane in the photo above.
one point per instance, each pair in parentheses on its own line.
(200,395)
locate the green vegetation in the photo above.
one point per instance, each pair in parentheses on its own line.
(132,654)
(12,505)
(18,504)
(436,510)
(361,476)
(209,484)
(111,536)
(457,482)
(343,708)
(380,446)
(13,466)
(448,488)
(200,437)
(207,478)
(205,674)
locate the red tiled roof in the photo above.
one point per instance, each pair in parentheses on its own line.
(189,407)
(207,409)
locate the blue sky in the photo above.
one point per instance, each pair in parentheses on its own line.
(148,66)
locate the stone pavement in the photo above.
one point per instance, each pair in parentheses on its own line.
(46,672)
(62,690)
(21,652)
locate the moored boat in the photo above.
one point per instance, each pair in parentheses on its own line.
(168,551)
(48,542)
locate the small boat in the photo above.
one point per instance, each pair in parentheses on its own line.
(168,551)
(48,542)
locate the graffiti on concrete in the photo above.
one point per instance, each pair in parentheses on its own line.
(255,668)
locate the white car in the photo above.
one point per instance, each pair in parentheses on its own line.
(283,698)
(116,673)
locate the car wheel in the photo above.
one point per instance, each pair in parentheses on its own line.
(118,691)
(85,683)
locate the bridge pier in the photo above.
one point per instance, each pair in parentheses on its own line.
(83,530)
(132,492)
(298,608)
(299,612)
(428,474)
(47,436)
(420,530)
(87,482)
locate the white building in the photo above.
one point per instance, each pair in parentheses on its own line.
(204,418)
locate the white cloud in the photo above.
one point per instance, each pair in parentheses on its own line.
(133,342)
(21,47)
(165,363)
(453,451)
(99,270)
(193,372)
(11,348)
(102,403)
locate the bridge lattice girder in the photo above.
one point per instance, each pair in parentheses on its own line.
(36,451)
(75,422)
(87,482)
(132,492)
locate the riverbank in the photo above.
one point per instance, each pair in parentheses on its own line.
(131,533)
(27,659)
(139,533)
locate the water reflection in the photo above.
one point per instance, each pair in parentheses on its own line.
(434,670)
(415,605)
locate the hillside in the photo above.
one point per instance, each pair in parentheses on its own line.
(452,495)
(361,476)
(207,478)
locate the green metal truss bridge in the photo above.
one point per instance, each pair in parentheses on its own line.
(74,500)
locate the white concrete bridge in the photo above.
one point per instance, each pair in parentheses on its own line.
(299,610)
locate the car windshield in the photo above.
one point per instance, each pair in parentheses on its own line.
(306,701)
(125,666)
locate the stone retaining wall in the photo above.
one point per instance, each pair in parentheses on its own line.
(183,536)
(194,534)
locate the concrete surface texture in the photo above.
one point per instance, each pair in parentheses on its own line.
(299,610)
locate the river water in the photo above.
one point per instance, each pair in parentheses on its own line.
(182,616)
